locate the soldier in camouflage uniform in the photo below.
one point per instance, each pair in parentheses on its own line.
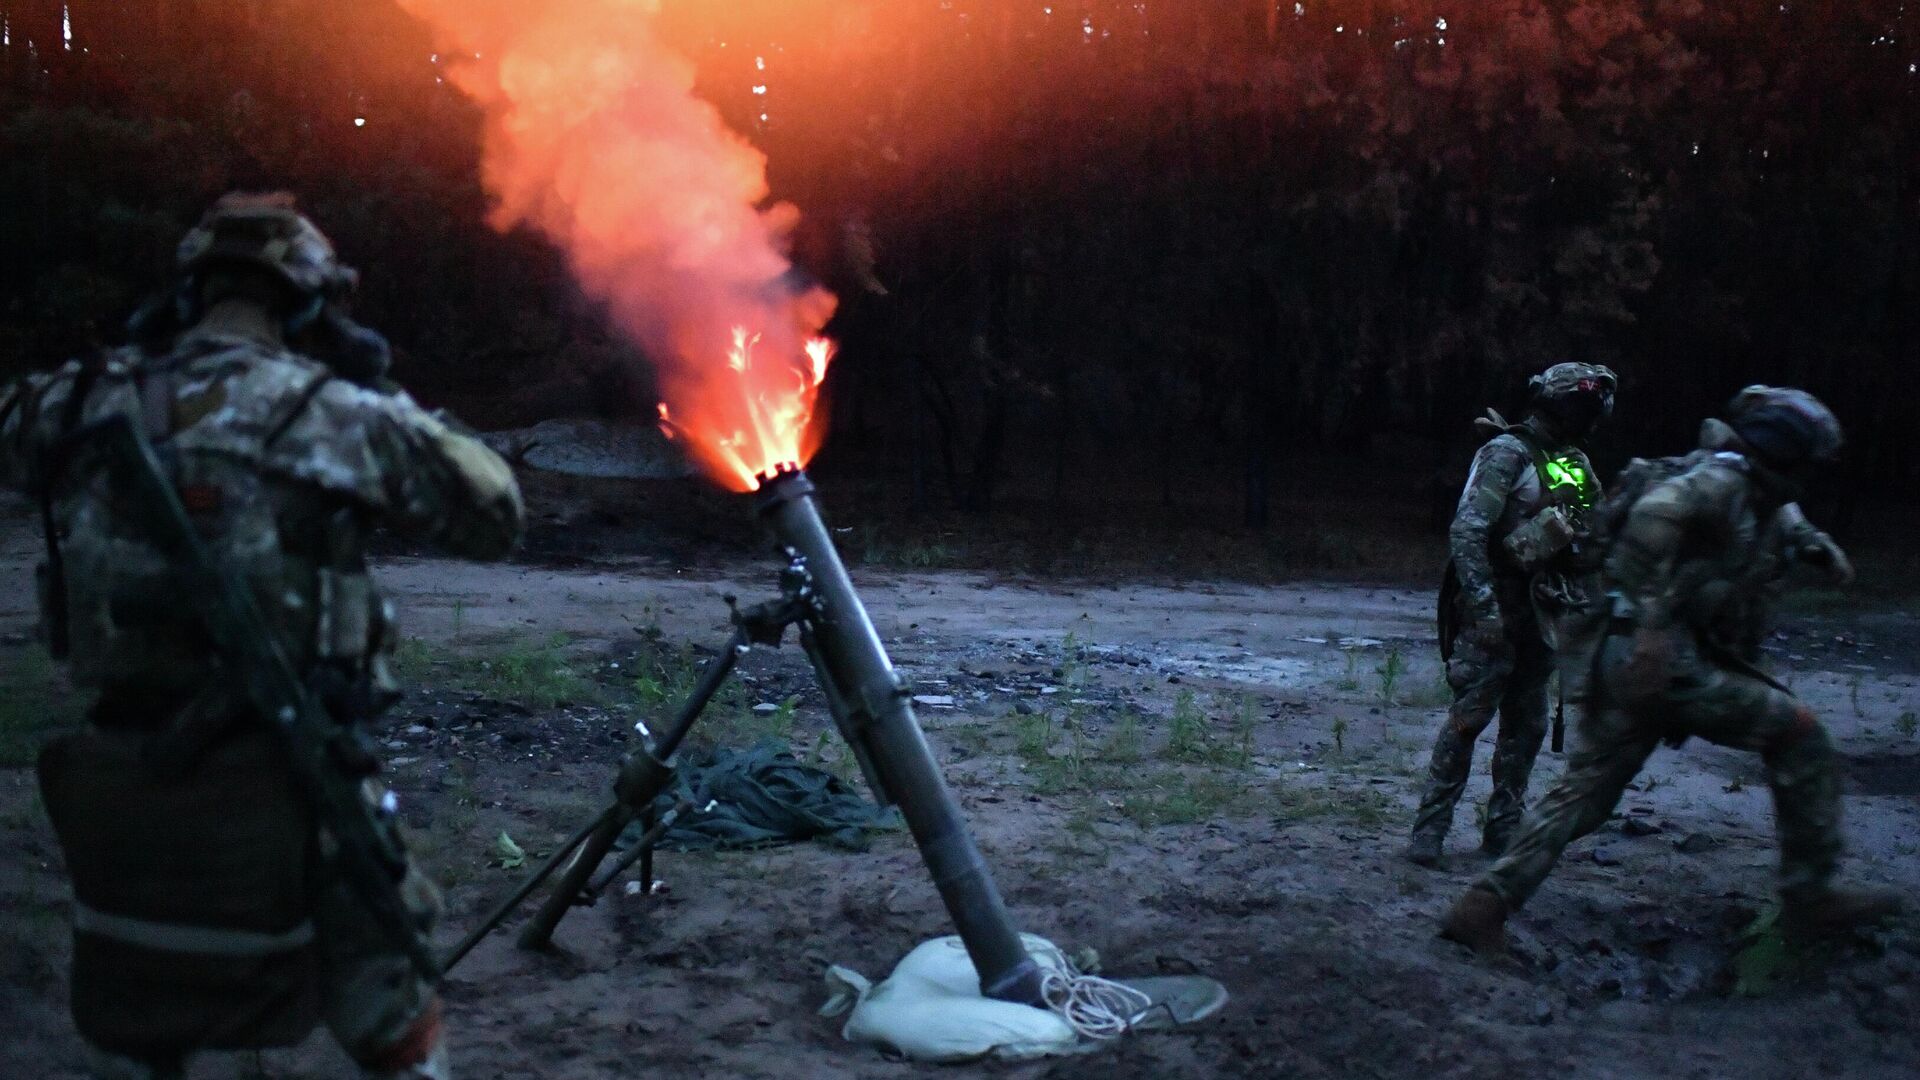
(1691,569)
(1515,541)
(207,914)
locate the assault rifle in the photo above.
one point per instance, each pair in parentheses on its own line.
(320,750)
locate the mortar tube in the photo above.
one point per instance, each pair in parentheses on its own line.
(882,716)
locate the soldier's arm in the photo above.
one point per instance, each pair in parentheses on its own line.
(1599,488)
(1807,543)
(445,486)
(1496,471)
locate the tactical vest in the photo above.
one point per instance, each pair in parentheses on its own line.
(1537,546)
(219,412)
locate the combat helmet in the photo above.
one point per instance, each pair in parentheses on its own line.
(1564,380)
(1575,397)
(1784,427)
(265,232)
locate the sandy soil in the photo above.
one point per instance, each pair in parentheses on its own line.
(1288,890)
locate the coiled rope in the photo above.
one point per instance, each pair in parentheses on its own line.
(1095,1008)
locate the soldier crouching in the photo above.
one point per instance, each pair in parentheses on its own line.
(212,908)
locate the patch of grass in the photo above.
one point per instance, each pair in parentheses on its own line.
(1174,797)
(1340,735)
(35,704)
(1127,742)
(1194,738)
(1908,723)
(539,675)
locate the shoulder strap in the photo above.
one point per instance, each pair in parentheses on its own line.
(58,637)
(300,402)
(1542,465)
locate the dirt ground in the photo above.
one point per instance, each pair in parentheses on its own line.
(1185,776)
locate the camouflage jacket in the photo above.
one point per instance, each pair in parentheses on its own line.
(1504,491)
(1707,550)
(285,469)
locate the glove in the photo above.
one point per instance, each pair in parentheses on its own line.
(1828,556)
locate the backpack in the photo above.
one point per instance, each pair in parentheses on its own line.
(1555,483)
(1584,631)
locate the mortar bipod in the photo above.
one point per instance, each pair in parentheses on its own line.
(643,775)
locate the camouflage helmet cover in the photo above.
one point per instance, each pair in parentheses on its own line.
(1569,378)
(267,232)
(1785,425)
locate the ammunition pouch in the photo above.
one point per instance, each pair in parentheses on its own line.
(192,892)
(1535,545)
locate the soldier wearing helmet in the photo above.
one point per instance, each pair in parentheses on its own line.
(1689,574)
(208,914)
(1517,544)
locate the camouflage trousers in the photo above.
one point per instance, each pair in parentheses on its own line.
(1511,680)
(1730,708)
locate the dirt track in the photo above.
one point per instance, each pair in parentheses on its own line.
(1286,889)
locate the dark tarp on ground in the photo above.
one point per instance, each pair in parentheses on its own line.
(764,796)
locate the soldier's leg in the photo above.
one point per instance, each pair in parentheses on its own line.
(1523,727)
(1737,710)
(1478,677)
(384,1014)
(1609,749)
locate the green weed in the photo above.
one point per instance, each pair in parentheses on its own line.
(1126,743)
(1033,736)
(1340,735)
(1351,680)
(34,704)
(1908,723)
(1390,671)
(1765,956)
(1187,729)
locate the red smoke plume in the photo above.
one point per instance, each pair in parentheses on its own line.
(595,138)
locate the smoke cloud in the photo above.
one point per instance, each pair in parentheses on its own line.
(595,138)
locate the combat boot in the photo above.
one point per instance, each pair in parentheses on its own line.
(1494,841)
(1836,911)
(1478,920)
(1425,849)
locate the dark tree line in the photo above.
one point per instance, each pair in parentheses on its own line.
(1206,244)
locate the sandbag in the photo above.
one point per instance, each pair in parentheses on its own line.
(931,1008)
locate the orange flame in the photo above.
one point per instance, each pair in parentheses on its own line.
(595,138)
